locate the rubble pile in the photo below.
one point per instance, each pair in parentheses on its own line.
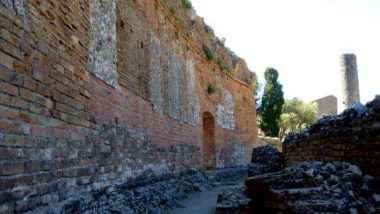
(354,120)
(313,187)
(232,201)
(228,175)
(150,193)
(265,159)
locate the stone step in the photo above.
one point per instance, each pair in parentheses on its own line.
(297,193)
(317,206)
(291,183)
(277,176)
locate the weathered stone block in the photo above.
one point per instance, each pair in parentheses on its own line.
(102,53)
(225,113)
(193,99)
(175,92)
(156,98)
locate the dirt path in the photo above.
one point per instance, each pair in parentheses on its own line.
(202,202)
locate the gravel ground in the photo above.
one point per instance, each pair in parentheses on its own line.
(204,202)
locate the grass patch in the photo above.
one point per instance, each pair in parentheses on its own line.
(209,30)
(222,64)
(208,52)
(187,4)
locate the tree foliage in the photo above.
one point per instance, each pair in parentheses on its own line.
(258,87)
(296,115)
(272,102)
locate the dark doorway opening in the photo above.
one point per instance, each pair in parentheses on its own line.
(209,159)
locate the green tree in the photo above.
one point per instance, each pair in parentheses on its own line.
(296,115)
(258,87)
(271,103)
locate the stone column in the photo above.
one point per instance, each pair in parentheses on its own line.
(350,80)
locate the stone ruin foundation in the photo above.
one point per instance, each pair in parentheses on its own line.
(332,166)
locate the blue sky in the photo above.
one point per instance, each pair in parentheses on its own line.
(302,39)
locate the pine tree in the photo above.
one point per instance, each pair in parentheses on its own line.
(271,103)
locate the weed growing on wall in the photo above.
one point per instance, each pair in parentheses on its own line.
(187,4)
(210,89)
(208,52)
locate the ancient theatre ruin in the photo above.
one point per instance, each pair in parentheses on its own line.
(95,93)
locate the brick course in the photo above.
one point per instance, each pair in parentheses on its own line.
(64,131)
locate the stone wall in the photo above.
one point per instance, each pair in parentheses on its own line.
(87,91)
(353,136)
(327,105)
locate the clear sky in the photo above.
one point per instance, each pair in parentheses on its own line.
(302,39)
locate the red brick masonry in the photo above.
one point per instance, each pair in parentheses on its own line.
(64,131)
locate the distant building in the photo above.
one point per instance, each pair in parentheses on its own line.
(327,105)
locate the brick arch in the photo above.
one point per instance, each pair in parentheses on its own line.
(209,158)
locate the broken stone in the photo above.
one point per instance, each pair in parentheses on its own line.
(336,188)
(359,108)
(265,159)
(334,179)
(351,194)
(354,211)
(355,170)
(310,172)
(376,197)
(368,179)
(329,167)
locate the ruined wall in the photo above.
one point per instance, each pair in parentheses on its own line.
(350,136)
(327,105)
(95,93)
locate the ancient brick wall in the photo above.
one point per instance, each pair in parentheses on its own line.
(95,93)
(351,136)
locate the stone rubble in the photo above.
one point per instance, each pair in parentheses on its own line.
(311,187)
(150,194)
(156,197)
(265,159)
(356,119)
(232,201)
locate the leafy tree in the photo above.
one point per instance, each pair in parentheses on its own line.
(296,115)
(258,87)
(271,103)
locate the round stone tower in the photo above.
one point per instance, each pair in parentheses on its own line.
(350,80)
